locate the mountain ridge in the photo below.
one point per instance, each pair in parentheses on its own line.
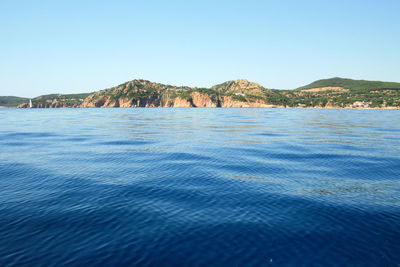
(333,92)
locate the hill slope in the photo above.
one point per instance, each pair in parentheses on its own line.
(142,93)
(12,101)
(347,93)
(353,85)
(333,93)
(57,101)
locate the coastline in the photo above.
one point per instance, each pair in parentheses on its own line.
(231,94)
(269,107)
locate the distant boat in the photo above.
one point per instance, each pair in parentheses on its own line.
(30,103)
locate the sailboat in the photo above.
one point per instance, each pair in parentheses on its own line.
(30,103)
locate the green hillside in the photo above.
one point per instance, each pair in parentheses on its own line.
(12,101)
(353,85)
(58,100)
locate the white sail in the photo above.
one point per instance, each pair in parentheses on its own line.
(30,103)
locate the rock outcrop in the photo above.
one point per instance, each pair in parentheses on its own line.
(142,93)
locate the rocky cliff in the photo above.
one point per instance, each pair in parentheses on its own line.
(329,93)
(142,93)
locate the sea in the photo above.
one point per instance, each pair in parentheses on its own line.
(199,187)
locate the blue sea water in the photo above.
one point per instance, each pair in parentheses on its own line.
(199,187)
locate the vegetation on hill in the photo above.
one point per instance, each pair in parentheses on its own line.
(353,85)
(241,90)
(56,101)
(339,92)
(59,100)
(12,101)
(136,93)
(335,92)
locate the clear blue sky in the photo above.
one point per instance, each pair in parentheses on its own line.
(81,46)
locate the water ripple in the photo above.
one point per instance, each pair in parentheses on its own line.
(221,187)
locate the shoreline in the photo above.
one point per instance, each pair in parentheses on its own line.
(271,107)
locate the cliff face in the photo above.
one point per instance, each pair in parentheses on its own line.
(141,93)
(137,93)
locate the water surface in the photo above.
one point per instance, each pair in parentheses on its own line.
(219,187)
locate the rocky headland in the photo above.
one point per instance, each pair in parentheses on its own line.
(329,93)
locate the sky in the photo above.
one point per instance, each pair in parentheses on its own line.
(84,46)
